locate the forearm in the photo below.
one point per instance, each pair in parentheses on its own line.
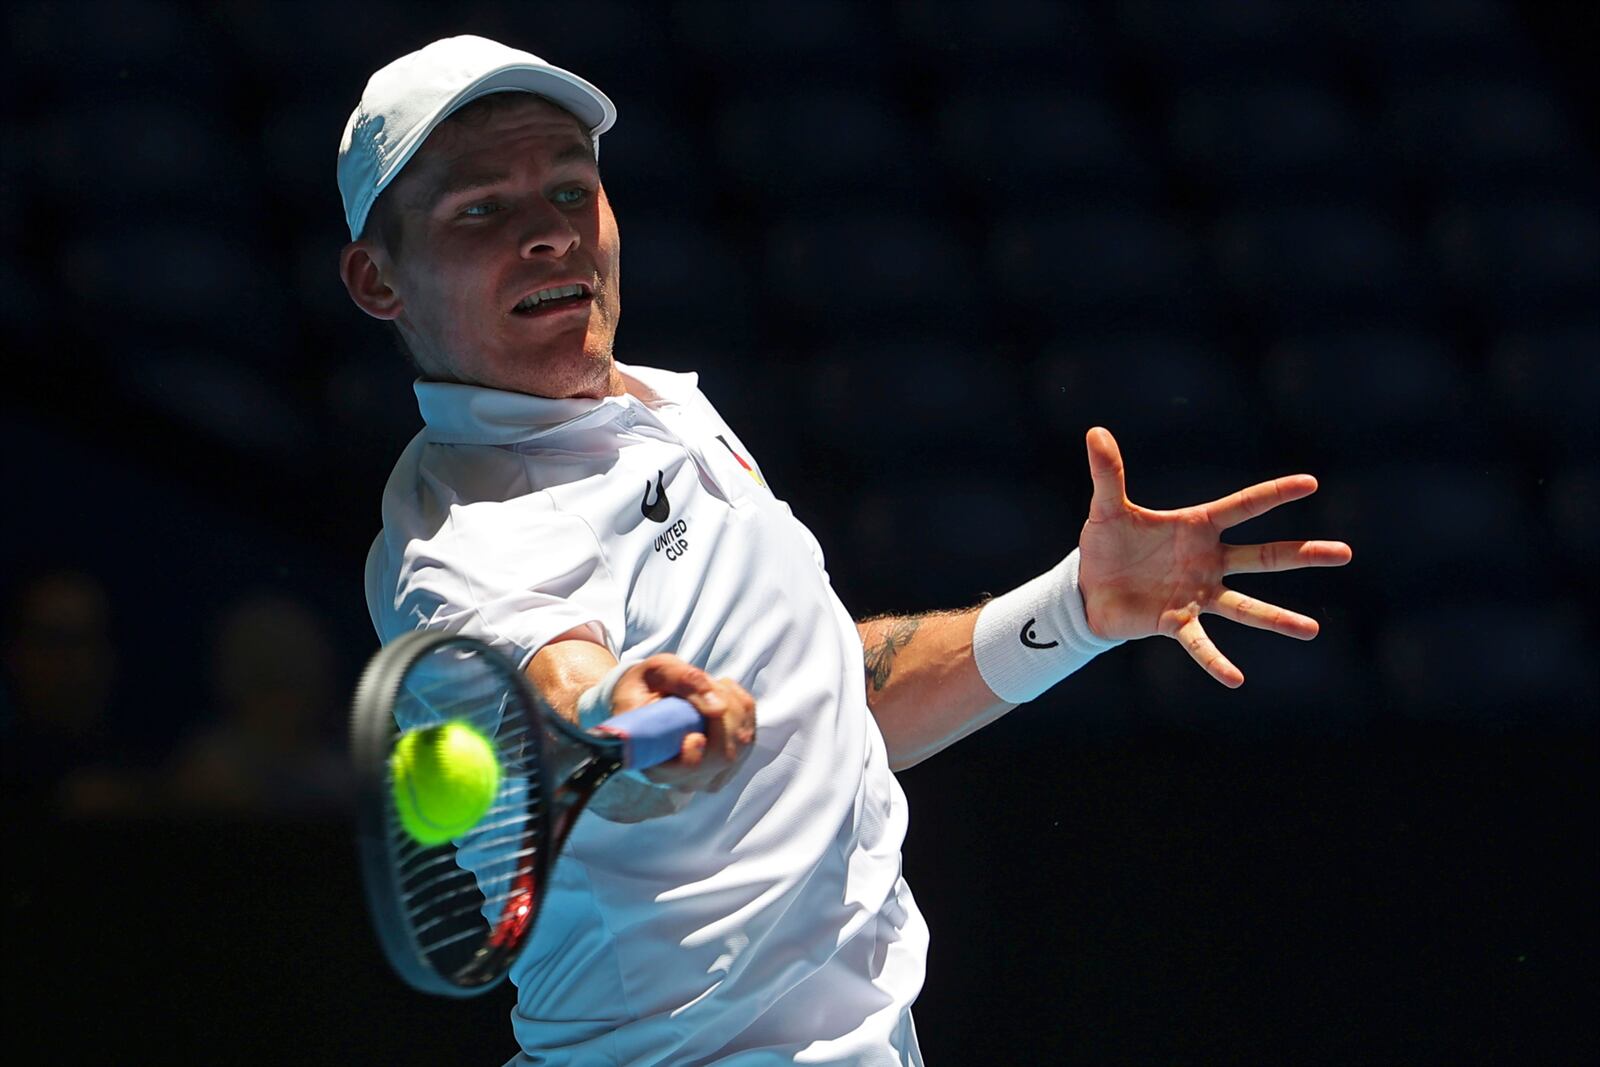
(561,672)
(933,679)
(923,684)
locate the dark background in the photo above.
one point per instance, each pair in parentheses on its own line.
(914,250)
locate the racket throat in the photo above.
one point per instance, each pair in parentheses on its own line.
(591,774)
(574,793)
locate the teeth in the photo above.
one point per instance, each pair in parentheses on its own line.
(560,292)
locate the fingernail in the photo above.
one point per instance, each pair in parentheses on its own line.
(713,701)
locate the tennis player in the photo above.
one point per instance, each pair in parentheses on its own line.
(601,524)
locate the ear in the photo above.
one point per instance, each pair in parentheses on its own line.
(363,267)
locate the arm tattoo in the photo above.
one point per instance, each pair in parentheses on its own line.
(880,654)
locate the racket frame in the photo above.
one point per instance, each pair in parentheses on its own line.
(571,764)
(373,732)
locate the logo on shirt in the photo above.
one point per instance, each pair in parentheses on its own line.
(1028,636)
(673,542)
(659,509)
(748,469)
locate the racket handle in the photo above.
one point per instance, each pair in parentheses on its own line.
(653,733)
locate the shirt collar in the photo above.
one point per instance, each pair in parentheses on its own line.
(457,414)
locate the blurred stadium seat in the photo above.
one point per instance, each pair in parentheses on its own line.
(295,141)
(23,313)
(1155,391)
(928,388)
(1096,268)
(1494,663)
(619,42)
(1522,260)
(1436,529)
(167,155)
(983,524)
(279,44)
(1547,388)
(1365,395)
(369,390)
(843,267)
(818,143)
(1036,42)
(1211,43)
(1050,148)
(211,392)
(683,279)
(655,162)
(189,278)
(1467,136)
(1310,264)
(19,169)
(771,37)
(1422,40)
(95,50)
(313,271)
(1572,510)
(1278,141)
(1319,689)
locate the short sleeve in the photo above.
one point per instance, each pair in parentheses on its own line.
(514,573)
(810,538)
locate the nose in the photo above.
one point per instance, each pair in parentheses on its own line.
(546,231)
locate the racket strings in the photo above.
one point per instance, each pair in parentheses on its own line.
(421,926)
(505,823)
(504,813)
(444,867)
(451,896)
(456,906)
(472,934)
(457,903)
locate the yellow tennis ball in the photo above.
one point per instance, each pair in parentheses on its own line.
(445,778)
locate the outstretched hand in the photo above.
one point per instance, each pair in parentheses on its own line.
(1144,572)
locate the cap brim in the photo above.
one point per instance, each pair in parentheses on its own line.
(587,103)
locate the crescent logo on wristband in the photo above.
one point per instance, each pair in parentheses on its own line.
(1007,646)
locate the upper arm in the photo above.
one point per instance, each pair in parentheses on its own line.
(519,574)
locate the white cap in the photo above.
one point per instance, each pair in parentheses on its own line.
(405,100)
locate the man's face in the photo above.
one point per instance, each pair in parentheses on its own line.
(494,211)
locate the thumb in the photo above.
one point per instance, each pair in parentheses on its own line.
(1105,467)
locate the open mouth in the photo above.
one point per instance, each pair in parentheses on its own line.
(554,300)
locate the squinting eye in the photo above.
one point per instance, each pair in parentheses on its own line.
(479,211)
(568,197)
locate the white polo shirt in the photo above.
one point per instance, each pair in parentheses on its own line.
(763,924)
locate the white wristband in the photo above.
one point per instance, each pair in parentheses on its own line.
(1032,637)
(594,705)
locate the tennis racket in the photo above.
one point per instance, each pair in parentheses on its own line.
(452,918)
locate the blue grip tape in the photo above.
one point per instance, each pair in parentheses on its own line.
(654,733)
